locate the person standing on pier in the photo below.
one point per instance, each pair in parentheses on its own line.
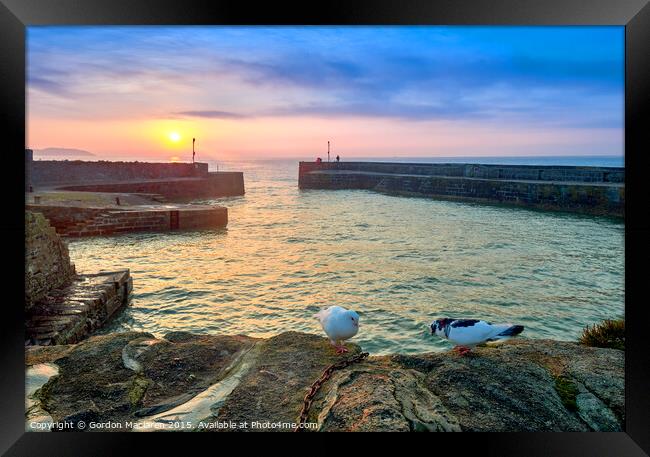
(193,153)
(338,159)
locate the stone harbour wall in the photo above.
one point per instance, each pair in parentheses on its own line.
(192,219)
(589,190)
(62,217)
(52,172)
(520,172)
(82,221)
(113,222)
(29,160)
(47,262)
(217,184)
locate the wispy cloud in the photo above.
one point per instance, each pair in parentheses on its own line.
(423,112)
(560,77)
(211,114)
(48,85)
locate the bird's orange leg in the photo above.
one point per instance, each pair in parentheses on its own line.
(461,350)
(340,349)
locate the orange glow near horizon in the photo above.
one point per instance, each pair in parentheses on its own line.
(299,137)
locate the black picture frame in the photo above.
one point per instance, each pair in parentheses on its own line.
(15,15)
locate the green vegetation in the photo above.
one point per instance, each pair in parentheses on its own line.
(138,388)
(567,391)
(607,334)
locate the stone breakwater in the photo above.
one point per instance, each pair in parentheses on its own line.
(155,182)
(173,181)
(52,172)
(185,381)
(214,184)
(75,221)
(589,190)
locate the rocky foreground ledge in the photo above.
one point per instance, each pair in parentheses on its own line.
(134,381)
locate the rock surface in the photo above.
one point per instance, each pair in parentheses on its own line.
(47,262)
(205,381)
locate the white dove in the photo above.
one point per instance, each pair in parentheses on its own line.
(339,324)
(467,333)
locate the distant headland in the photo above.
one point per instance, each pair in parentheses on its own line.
(62,153)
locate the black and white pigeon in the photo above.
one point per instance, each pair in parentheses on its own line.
(467,333)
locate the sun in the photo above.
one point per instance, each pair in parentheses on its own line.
(175,137)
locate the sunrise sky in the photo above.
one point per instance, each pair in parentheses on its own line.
(281,92)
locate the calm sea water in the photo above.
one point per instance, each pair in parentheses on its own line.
(399,262)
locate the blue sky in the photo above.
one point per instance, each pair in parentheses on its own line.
(541,90)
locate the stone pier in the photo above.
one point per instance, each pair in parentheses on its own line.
(78,221)
(589,190)
(174,181)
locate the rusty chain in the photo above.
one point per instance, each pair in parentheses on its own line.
(315,387)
